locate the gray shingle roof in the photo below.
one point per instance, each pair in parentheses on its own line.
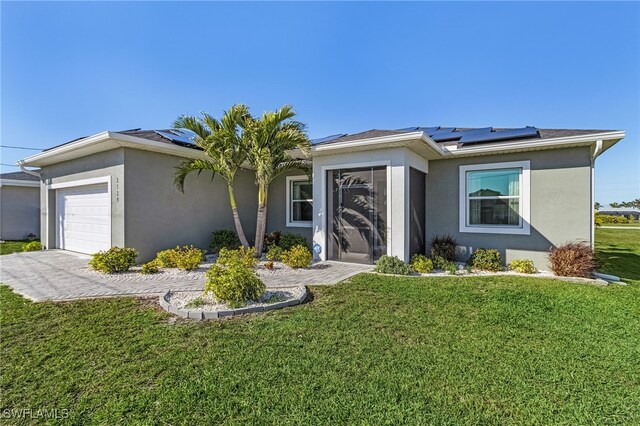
(543,133)
(19,176)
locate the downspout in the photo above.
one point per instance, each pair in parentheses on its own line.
(30,172)
(596,152)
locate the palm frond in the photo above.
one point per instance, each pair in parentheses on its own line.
(188,166)
(192,123)
(293,164)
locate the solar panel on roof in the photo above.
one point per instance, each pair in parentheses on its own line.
(526,132)
(327,138)
(179,136)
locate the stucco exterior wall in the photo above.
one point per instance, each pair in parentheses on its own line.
(108,163)
(560,203)
(159,216)
(19,212)
(277,207)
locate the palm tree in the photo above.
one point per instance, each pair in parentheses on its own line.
(224,145)
(271,138)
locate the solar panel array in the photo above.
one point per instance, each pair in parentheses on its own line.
(327,138)
(183,137)
(471,136)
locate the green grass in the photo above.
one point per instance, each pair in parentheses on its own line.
(619,250)
(628,225)
(9,247)
(376,350)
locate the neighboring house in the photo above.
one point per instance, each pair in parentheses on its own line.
(19,206)
(378,192)
(621,211)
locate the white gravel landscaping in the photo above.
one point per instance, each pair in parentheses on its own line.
(185,299)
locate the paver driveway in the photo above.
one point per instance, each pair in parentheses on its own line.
(62,275)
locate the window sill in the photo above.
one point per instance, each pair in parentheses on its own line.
(525,230)
(299,224)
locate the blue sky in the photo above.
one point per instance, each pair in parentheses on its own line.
(78,68)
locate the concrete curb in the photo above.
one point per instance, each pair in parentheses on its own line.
(206,315)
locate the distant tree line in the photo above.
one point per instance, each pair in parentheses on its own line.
(626,204)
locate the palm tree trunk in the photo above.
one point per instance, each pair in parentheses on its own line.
(236,217)
(261,221)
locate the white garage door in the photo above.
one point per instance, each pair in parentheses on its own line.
(84,218)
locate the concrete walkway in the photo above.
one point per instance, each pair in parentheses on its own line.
(62,275)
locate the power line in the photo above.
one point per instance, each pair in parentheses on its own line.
(20,147)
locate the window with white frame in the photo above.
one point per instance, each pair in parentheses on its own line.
(299,201)
(494,198)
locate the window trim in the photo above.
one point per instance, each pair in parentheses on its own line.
(297,223)
(525,199)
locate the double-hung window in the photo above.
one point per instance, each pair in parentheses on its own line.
(299,201)
(494,198)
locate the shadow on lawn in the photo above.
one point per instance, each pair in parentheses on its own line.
(621,262)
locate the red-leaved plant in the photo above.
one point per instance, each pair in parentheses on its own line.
(574,259)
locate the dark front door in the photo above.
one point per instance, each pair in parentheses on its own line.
(357,206)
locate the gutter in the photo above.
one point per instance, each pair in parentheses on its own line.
(29,172)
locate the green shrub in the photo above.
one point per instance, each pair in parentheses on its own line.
(609,218)
(271,239)
(486,260)
(575,259)
(116,259)
(297,257)
(244,255)
(235,284)
(32,246)
(274,253)
(224,238)
(198,302)
(165,259)
(187,258)
(421,263)
(289,240)
(392,265)
(524,266)
(444,246)
(445,265)
(150,268)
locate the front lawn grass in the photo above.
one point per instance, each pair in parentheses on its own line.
(376,350)
(9,247)
(619,251)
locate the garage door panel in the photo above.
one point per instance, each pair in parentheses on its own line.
(84,218)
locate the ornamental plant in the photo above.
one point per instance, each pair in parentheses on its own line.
(235,283)
(392,265)
(297,257)
(486,260)
(524,266)
(149,268)
(32,246)
(575,259)
(274,253)
(187,258)
(421,263)
(116,259)
(224,238)
(244,255)
(288,240)
(444,246)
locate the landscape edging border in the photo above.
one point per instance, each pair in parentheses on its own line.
(205,315)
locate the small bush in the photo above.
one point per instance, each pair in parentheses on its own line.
(198,302)
(271,239)
(392,265)
(269,265)
(236,284)
(486,260)
(244,255)
(421,263)
(165,259)
(150,268)
(32,246)
(187,258)
(224,238)
(116,259)
(524,266)
(444,246)
(601,219)
(289,240)
(445,265)
(274,253)
(297,257)
(575,259)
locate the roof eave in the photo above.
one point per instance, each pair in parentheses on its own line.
(105,141)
